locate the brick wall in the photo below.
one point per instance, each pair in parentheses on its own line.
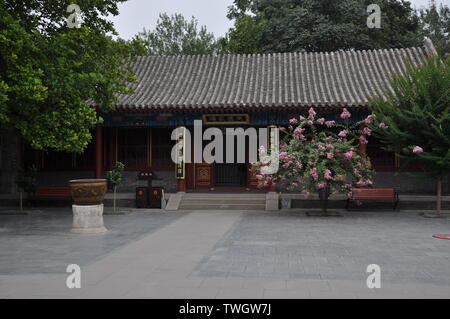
(9,161)
(128,185)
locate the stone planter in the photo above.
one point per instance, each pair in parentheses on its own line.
(88,196)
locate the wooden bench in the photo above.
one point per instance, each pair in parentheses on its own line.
(374,194)
(50,192)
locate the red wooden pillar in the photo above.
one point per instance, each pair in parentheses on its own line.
(273,187)
(362,146)
(98,152)
(181,185)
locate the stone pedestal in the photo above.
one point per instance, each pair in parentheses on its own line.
(272,201)
(88,219)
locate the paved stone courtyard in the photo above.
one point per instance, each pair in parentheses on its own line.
(226,254)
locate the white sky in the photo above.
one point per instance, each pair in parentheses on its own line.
(137,14)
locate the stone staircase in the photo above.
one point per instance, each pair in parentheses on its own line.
(223,201)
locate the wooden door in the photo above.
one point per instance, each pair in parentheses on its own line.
(204,176)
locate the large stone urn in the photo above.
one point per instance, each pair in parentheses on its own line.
(88,196)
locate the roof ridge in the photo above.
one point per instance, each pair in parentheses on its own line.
(428,45)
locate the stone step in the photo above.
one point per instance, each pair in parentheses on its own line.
(222,201)
(222,207)
(226,196)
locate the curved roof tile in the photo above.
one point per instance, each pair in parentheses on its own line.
(343,78)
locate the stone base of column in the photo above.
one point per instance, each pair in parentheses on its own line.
(88,220)
(272,201)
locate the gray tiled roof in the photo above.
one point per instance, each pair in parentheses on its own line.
(334,79)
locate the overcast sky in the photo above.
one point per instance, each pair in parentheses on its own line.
(137,14)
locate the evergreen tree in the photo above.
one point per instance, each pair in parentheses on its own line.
(414,118)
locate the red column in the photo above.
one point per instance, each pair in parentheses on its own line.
(98,152)
(362,147)
(273,187)
(182,186)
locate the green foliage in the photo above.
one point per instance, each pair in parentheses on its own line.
(245,36)
(20,74)
(435,23)
(175,35)
(417,113)
(50,74)
(320,25)
(115,175)
(50,16)
(26,180)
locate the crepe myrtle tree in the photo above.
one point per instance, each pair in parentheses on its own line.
(115,178)
(416,112)
(320,156)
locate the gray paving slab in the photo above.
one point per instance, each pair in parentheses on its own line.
(42,243)
(290,245)
(226,254)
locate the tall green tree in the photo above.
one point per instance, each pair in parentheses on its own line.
(245,37)
(322,25)
(414,118)
(51,74)
(175,35)
(435,22)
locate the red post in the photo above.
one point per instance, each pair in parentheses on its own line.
(98,152)
(182,186)
(362,147)
(273,187)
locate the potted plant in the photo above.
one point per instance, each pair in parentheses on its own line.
(115,178)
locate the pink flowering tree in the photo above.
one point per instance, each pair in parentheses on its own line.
(321,157)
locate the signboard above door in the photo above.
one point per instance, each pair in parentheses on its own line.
(223,119)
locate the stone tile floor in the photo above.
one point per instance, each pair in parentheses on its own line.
(226,254)
(292,246)
(42,242)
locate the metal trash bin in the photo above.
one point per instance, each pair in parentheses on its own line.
(142,197)
(156,197)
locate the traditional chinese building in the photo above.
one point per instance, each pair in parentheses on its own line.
(257,91)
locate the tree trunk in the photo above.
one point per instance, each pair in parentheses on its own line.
(439,195)
(114,200)
(21,202)
(324,204)
(324,194)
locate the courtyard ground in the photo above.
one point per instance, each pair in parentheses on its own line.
(226,254)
